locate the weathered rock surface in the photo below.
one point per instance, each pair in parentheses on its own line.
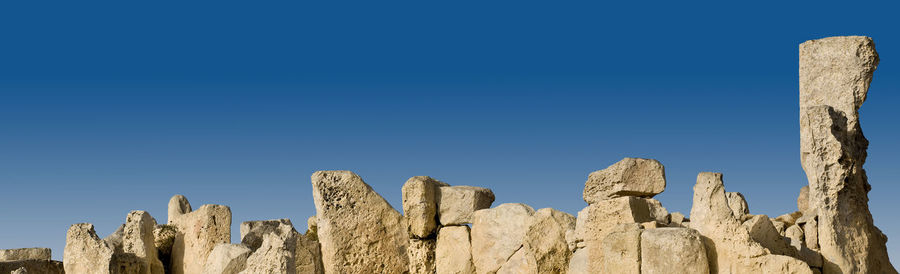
(197,233)
(835,74)
(138,239)
(803,201)
(738,204)
(163,240)
(497,233)
(34,253)
(672,251)
(178,205)
(621,250)
(227,259)
(519,263)
(597,220)
(764,232)
(457,204)
(421,256)
(453,251)
(628,177)
(39,266)
(85,252)
(276,247)
(578,264)
(420,205)
(358,230)
(545,240)
(274,254)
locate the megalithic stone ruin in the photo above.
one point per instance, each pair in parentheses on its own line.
(835,74)
(453,229)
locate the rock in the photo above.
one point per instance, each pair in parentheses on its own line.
(497,233)
(275,254)
(420,205)
(163,240)
(308,255)
(453,251)
(649,225)
(85,252)
(358,230)
(311,225)
(789,219)
(811,231)
(676,219)
(421,256)
(621,251)
(227,259)
(520,263)
(672,250)
(738,204)
(803,200)
(178,205)
(628,177)
(763,232)
(657,211)
(197,233)
(34,253)
(795,233)
(138,239)
(779,226)
(597,220)
(579,262)
(252,232)
(545,240)
(286,251)
(457,204)
(33,266)
(835,74)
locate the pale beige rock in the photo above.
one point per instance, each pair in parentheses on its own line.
(779,226)
(497,233)
(163,240)
(420,205)
(621,251)
(795,233)
(738,204)
(178,205)
(421,256)
(672,251)
(197,233)
(252,232)
(519,263)
(277,247)
(628,177)
(138,239)
(453,251)
(457,204)
(676,219)
(33,253)
(274,255)
(789,219)
(358,230)
(597,220)
(811,231)
(764,232)
(311,225)
(803,201)
(658,211)
(835,74)
(21,270)
(579,262)
(308,255)
(649,225)
(545,240)
(85,252)
(227,259)
(33,266)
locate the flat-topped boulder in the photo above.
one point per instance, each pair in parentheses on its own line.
(33,253)
(358,230)
(457,204)
(628,177)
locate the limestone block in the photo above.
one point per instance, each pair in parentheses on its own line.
(519,263)
(421,256)
(803,200)
(676,219)
(453,251)
(38,266)
(457,204)
(579,262)
(308,255)
(138,239)
(790,219)
(795,233)
(227,259)
(764,232)
(420,205)
(197,233)
(252,232)
(628,177)
(178,205)
(286,251)
(672,250)
(621,251)
(497,233)
(657,211)
(545,240)
(811,231)
(163,240)
(738,204)
(85,252)
(274,255)
(34,253)
(597,220)
(358,230)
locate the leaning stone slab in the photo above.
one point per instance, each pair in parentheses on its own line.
(628,177)
(198,232)
(457,204)
(227,259)
(672,251)
(358,230)
(497,233)
(40,266)
(34,253)
(453,251)
(545,240)
(421,256)
(85,252)
(420,205)
(621,250)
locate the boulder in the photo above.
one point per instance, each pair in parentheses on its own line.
(497,233)
(275,254)
(421,256)
(597,220)
(789,219)
(672,250)
(227,259)
(657,211)
(178,205)
(453,251)
(457,204)
(197,233)
(420,205)
(39,266)
(519,263)
(628,177)
(85,252)
(252,232)
(676,219)
(835,74)
(277,247)
(358,230)
(34,253)
(545,240)
(738,204)
(621,250)
(138,239)
(763,232)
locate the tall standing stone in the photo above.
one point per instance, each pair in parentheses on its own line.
(358,230)
(138,239)
(835,74)
(197,234)
(85,252)
(420,205)
(497,233)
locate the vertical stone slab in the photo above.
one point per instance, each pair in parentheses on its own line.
(197,234)
(497,233)
(453,251)
(420,205)
(85,252)
(835,74)
(178,205)
(138,239)
(622,251)
(358,230)
(545,240)
(421,256)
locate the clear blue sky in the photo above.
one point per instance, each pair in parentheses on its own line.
(107,107)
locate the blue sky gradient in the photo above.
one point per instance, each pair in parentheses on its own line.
(111,106)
